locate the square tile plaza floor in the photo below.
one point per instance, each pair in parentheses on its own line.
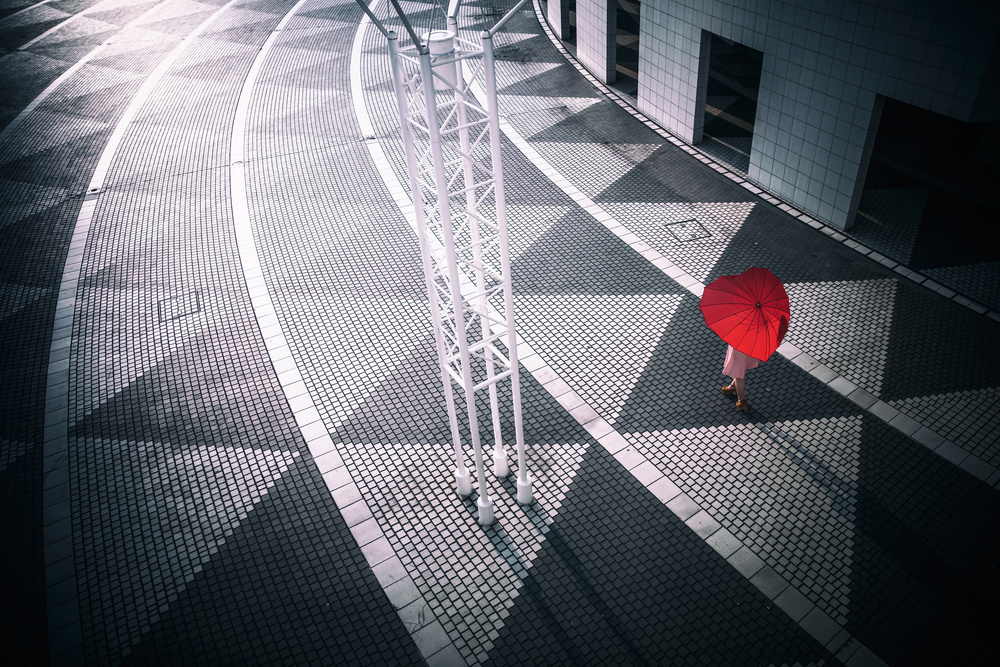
(224,437)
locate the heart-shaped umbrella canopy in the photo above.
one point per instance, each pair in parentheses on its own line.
(748,310)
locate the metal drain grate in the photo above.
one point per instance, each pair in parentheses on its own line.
(687,230)
(176,307)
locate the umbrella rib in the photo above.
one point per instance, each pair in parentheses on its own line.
(749,314)
(772,290)
(733,290)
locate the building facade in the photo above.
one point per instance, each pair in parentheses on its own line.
(826,69)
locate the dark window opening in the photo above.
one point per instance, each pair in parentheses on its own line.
(627,49)
(731,102)
(927,199)
(569,40)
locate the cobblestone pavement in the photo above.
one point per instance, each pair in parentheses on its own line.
(224,436)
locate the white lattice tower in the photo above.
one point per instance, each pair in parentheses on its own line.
(452,146)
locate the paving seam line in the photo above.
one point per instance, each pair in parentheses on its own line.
(906,425)
(66,639)
(759,191)
(546,377)
(794,603)
(401,195)
(62,78)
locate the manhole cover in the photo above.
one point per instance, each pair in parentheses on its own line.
(687,230)
(176,307)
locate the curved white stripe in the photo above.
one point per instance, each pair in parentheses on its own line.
(51,30)
(65,632)
(325,455)
(402,200)
(937,443)
(613,441)
(758,190)
(26,9)
(97,182)
(62,78)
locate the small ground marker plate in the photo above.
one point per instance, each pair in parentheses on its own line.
(176,307)
(687,230)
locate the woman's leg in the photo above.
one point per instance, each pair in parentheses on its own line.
(739,382)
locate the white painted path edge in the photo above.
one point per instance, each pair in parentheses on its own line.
(63,612)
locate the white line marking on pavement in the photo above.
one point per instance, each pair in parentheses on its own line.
(65,76)
(66,638)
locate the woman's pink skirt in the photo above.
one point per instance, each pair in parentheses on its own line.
(737,363)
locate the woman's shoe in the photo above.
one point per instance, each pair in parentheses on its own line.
(742,406)
(729,390)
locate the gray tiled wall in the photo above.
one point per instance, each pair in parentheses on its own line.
(557,14)
(595,37)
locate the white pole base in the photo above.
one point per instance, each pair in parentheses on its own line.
(500,467)
(485,510)
(524,491)
(464,482)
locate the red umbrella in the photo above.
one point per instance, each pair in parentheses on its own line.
(749,311)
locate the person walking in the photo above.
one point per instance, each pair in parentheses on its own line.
(736,366)
(750,313)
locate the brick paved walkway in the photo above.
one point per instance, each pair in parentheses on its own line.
(224,436)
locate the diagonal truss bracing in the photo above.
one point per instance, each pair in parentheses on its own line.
(452,146)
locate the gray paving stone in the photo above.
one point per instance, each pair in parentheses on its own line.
(683,507)
(402,592)
(883,411)
(341,253)
(366,532)
(927,437)
(447,657)
(863,657)
(820,626)
(905,424)
(703,524)
(346,495)
(431,639)
(952,452)
(389,571)
(842,386)
(724,542)
(823,374)
(664,489)
(646,473)
(769,583)
(748,563)
(629,458)
(796,605)
(978,468)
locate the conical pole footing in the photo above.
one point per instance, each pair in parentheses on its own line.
(485,510)
(524,491)
(463,480)
(500,466)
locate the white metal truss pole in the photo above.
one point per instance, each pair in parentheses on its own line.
(454,77)
(462,227)
(524,493)
(440,44)
(463,480)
